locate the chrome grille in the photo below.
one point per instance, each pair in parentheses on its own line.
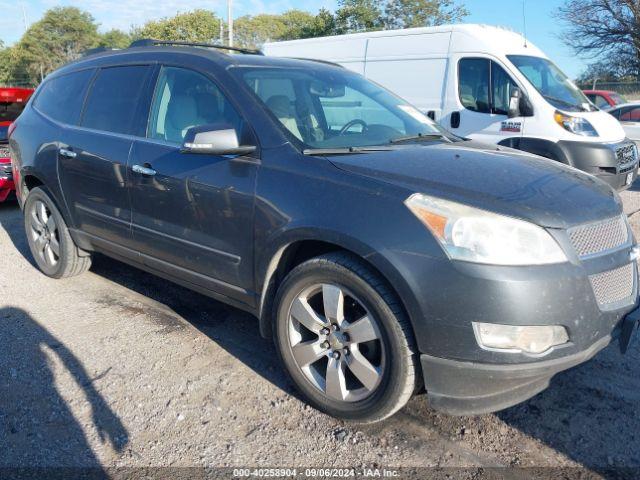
(599,237)
(4,151)
(626,154)
(613,286)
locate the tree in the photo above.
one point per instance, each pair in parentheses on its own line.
(422,13)
(59,37)
(114,39)
(606,31)
(359,16)
(196,26)
(251,31)
(324,24)
(296,24)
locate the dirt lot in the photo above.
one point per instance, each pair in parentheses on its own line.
(119,368)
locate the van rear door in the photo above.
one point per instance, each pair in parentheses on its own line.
(480,104)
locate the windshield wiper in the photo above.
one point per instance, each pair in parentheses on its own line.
(346,150)
(569,104)
(420,136)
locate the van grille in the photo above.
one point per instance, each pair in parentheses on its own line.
(599,237)
(613,286)
(626,154)
(4,151)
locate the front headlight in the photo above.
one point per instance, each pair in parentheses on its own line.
(534,339)
(577,125)
(475,235)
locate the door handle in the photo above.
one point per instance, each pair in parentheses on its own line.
(149,172)
(65,152)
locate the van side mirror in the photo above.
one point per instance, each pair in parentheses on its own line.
(214,140)
(514,102)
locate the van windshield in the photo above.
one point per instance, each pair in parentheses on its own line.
(331,108)
(552,84)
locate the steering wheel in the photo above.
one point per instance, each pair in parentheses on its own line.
(352,123)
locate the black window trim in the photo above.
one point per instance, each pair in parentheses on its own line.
(491,62)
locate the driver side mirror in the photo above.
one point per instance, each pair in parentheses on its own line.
(514,102)
(214,140)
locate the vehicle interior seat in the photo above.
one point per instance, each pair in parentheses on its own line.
(182,114)
(280,106)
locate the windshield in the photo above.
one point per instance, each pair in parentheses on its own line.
(552,84)
(324,109)
(618,99)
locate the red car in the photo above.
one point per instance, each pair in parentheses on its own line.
(12,102)
(604,99)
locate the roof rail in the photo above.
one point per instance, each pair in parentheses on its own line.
(326,62)
(94,51)
(149,42)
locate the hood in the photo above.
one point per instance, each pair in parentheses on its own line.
(493,178)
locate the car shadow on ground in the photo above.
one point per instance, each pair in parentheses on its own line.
(30,403)
(232,329)
(590,414)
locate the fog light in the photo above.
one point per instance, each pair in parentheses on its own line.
(517,338)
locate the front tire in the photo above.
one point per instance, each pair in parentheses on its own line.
(344,339)
(51,245)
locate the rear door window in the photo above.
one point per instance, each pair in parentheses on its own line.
(114,100)
(61,97)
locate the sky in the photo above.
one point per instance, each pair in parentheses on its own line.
(542,28)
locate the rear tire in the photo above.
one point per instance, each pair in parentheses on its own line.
(51,245)
(344,339)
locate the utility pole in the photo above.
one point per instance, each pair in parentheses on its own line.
(24,16)
(230,21)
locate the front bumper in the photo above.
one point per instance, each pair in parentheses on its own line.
(610,162)
(467,388)
(460,376)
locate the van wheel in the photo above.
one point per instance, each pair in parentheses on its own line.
(52,247)
(344,339)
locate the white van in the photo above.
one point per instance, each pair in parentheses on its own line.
(486,83)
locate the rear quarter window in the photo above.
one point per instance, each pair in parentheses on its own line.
(61,97)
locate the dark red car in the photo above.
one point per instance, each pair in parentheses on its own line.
(604,99)
(12,102)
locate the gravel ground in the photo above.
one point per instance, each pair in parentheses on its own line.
(119,368)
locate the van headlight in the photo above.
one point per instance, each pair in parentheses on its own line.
(577,125)
(475,235)
(534,339)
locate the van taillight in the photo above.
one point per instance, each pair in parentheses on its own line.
(11,129)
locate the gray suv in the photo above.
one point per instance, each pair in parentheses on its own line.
(383,256)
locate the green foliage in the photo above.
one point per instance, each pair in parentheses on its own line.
(359,16)
(196,26)
(422,13)
(59,37)
(251,31)
(64,33)
(115,39)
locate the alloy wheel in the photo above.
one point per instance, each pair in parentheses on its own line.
(336,342)
(44,233)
